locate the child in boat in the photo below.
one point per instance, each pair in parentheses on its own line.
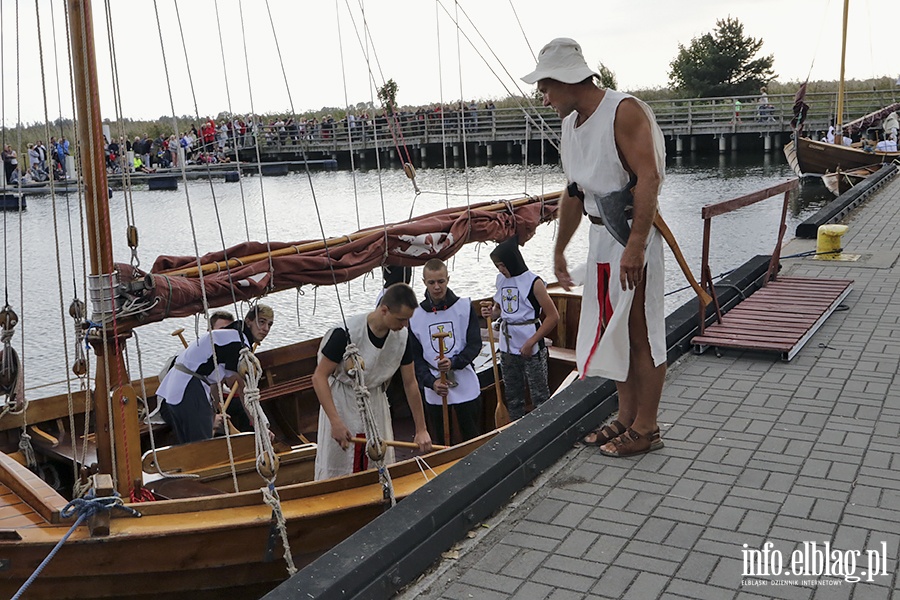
(520,298)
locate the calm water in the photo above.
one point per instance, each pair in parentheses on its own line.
(165,226)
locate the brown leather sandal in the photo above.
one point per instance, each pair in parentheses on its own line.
(632,443)
(605,434)
(656,440)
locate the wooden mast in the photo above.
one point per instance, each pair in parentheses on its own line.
(124,443)
(839,122)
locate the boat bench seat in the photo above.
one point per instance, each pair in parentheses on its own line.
(293,386)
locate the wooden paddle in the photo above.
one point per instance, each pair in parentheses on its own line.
(446,410)
(501,413)
(397,444)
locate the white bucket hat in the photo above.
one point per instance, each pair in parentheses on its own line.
(561,60)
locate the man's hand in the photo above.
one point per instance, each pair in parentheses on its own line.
(561,270)
(219,423)
(423,440)
(631,269)
(527,349)
(441,389)
(444,364)
(340,433)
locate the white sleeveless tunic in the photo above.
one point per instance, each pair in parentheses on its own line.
(516,312)
(454,320)
(380,366)
(590,158)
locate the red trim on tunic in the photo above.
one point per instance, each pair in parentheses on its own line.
(606,309)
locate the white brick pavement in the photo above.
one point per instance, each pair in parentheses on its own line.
(756,450)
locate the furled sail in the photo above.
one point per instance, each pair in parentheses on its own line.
(174,283)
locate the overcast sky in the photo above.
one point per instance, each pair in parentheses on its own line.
(415,43)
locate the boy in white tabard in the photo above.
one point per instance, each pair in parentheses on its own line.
(442,311)
(520,297)
(384,346)
(610,139)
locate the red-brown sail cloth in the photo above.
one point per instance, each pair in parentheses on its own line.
(437,235)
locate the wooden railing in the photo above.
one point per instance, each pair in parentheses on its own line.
(688,116)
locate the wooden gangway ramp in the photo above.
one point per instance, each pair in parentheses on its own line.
(780,317)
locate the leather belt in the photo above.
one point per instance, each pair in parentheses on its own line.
(595,220)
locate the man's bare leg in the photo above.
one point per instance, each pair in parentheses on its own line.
(640,393)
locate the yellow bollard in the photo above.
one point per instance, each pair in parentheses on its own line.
(828,242)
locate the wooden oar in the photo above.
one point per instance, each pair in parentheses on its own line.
(180,334)
(396,444)
(446,410)
(501,413)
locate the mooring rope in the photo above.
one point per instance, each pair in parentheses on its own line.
(84,508)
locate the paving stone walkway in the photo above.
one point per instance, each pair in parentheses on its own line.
(757,451)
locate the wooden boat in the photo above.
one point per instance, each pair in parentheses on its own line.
(202,538)
(841,181)
(812,157)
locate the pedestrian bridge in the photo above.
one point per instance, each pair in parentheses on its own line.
(530,132)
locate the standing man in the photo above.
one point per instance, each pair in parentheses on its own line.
(383,341)
(608,139)
(187,403)
(442,311)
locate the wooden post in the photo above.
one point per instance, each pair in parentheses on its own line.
(98,523)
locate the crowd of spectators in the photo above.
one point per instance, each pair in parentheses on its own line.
(216,141)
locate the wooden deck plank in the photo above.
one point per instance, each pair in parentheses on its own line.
(780,317)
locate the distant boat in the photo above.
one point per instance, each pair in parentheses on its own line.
(810,157)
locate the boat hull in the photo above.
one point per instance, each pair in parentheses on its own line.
(208,547)
(811,157)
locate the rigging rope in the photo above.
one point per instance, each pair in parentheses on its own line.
(212,189)
(350,127)
(237,158)
(540,123)
(191,216)
(76,306)
(376,447)
(266,458)
(256,124)
(372,83)
(462,122)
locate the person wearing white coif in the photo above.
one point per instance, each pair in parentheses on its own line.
(520,298)
(185,391)
(610,139)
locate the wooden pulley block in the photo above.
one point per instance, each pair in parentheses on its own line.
(350,365)
(376,452)
(79,367)
(268,465)
(8,317)
(77,309)
(409,170)
(132,235)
